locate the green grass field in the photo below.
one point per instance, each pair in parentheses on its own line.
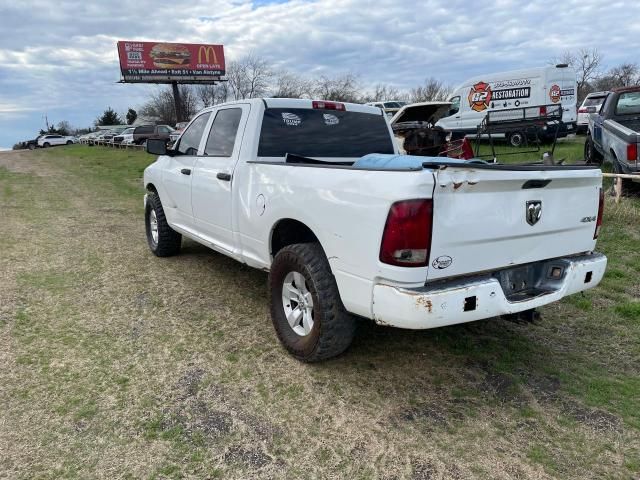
(118,364)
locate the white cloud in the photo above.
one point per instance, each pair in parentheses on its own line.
(61,56)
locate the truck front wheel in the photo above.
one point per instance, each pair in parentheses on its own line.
(307,312)
(162,239)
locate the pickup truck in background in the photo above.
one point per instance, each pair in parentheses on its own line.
(315,193)
(614,132)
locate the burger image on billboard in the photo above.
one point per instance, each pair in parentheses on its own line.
(169,55)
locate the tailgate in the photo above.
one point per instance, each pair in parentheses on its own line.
(490,218)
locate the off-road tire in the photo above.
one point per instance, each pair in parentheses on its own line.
(591,155)
(333,327)
(169,241)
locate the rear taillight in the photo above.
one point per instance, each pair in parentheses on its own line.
(543,111)
(582,110)
(407,234)
(632,152)
(322,105)
(600,212)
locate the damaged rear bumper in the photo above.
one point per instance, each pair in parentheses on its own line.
(508,291)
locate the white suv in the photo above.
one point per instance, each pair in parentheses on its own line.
(591,104)
(46,141)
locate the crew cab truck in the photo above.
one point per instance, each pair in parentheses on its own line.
(315,193)
(614,132)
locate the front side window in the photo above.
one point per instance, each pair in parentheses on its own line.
(223,133)
(455,105)
(190,140)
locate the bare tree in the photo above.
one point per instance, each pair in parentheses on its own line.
(210,95)
(625,75)
(343,88)
(249,77)
(291,85)
(161,106)
(383,93)
(586,62)
(431,90)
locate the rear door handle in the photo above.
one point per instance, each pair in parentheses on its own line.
(224,176)
(185,171)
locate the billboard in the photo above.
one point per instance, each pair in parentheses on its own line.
(159,62)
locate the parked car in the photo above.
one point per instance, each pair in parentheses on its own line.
(315,193)
(390,107)
(173,136)
(125,137)
(110,134)
(614,132)
(591,104)
(415,131)
(143,133)
(46,141)
(515,89)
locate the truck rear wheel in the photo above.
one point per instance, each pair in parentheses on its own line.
(306,310)
(591,155)
(162,239)
(516,139)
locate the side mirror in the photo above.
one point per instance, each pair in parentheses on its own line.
(156,146)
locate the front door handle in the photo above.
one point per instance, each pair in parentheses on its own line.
(224,176)
(185,171)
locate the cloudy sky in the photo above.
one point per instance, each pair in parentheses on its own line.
(59,58)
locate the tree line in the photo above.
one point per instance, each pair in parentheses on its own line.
(252,76)
(591,75)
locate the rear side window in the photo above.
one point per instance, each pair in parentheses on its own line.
(144,129)
(322,133)
(223,133)
(190,140)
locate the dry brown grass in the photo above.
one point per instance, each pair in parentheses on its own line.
(117,364)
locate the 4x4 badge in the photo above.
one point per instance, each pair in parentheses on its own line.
(533,211)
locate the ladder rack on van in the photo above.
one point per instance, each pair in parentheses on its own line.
(528,121)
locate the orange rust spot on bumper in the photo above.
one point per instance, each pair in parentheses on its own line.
(424,303)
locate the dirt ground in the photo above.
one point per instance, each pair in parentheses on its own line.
(118,364)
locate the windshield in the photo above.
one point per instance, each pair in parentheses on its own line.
(628,103)
(322,133)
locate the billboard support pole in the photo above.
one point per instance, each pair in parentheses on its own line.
(177,102)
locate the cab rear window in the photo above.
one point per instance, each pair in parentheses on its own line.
(322,133)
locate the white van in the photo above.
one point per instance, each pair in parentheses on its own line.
(519,88)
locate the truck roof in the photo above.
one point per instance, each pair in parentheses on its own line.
(298,103)
(633,88)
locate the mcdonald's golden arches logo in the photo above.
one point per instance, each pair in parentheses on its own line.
(209,54)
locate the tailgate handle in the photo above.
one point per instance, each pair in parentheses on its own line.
(535,184)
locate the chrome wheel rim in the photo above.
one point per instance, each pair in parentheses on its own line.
(153,226)
(297,303)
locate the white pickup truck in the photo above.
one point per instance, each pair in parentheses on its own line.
(315,193)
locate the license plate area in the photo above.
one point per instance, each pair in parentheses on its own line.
(525,282)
